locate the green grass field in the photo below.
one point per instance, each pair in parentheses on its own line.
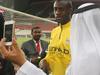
(21,40)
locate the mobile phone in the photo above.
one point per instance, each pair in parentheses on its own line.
(8,32)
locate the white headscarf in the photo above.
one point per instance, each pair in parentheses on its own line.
(85,42)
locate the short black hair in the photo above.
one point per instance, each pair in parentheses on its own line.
(1,25)
(34,27)
(66,2)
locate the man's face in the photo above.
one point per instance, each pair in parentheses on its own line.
(36,34)
(62,11)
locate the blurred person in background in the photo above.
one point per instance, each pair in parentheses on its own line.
(58,56)
(35,49)
(6,67)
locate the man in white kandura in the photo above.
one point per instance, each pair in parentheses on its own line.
(85,40)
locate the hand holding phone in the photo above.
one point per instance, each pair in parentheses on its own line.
(8,31)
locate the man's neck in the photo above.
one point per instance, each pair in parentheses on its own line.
(65,21)
(36,40)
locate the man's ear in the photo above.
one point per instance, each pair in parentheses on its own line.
(31,32)
(41,33)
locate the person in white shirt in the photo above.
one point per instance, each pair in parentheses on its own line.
(16,55)
(85,40)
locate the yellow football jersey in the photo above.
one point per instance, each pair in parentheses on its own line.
(58,55)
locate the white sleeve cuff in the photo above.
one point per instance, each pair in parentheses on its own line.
(29,69)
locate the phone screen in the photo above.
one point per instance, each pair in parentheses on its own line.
(8,32)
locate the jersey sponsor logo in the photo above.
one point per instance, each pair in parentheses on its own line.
(59,50)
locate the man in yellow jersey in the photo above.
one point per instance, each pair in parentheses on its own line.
(58,56)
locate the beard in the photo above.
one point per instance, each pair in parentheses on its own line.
(37,38)
(63,20)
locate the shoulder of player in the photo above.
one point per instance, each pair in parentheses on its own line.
(56,29)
